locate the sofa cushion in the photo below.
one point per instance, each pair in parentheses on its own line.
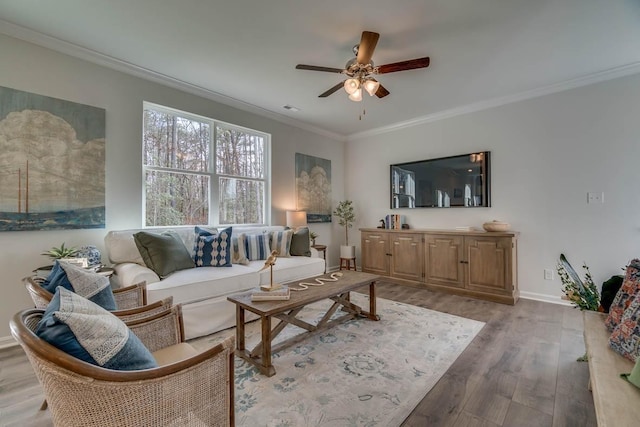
(300,242)
(257,246)
(213,250)
(281,242)
(625,338)
(86,283)
(163,253)
(630,287)
(88,332)
(239,254)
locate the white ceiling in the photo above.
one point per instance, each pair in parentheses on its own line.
(482,51)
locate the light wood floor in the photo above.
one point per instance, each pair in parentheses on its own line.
(519,371)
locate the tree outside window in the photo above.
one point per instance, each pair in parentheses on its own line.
(185,186)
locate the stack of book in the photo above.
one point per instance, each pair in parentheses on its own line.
(280,294)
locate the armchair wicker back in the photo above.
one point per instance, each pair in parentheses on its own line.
(195,391)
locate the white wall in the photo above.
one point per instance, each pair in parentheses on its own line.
(35,69)
(547,153)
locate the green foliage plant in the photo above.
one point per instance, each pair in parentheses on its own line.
(346,217)
(61,252)
(583,295)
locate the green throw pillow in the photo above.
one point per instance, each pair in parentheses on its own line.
(634,376)
(163,253)
(300,244)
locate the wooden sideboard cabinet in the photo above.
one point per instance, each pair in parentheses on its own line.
(472,263)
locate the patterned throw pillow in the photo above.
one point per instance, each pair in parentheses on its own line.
(86,283)
(88,332)
(630,287)
(257,246)
(281,242)
(213,250)
(625,338)
(239,255)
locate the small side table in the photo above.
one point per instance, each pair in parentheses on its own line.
(345,264)
(323,249)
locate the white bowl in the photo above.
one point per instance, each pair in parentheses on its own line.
(496,226)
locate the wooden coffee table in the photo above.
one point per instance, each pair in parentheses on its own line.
(286,312)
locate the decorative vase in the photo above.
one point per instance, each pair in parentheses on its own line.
(347,251)
(92,254)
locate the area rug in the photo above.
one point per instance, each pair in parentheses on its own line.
(359,373)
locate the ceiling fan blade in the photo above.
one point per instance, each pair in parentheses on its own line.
(382,92)
(411,64)
(317,68)
(367,45)
(332,90)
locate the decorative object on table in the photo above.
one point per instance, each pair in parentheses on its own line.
(382,224)
(346,218)
(313,236)
(55,171)
(61,252)
(583,295)
(319,281)
(269,263)
(313,187)
(92,254)
(394,221)
(280,294)
(496,226)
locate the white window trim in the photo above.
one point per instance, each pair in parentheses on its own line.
(212,173)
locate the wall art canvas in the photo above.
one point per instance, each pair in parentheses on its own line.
(313,187)
(52,163)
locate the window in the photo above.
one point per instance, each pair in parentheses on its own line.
(201,171)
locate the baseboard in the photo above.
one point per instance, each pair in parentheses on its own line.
(6,342)
(544,298)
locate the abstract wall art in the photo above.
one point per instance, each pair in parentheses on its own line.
(313,187)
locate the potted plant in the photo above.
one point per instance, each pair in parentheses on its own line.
(346,218)
(61,252)
(313,236)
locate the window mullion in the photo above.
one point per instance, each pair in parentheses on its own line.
(214,183)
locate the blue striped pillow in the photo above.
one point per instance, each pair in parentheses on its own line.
(257,246)
(281,242)
(213,250)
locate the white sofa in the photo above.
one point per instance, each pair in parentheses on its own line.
(203,291)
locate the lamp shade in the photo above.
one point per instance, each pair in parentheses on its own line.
(351,85)
(296,219)
(371,86)
(356,96)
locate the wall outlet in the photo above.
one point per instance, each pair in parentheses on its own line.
(548,274)
(595,197)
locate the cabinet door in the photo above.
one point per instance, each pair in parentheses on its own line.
(406,256)
(444,263)
(490,268)
(375,253)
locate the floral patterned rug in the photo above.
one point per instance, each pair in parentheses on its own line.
(359,373)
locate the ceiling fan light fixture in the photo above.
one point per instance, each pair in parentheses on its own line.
(371,86)
(351,85)
(356,96)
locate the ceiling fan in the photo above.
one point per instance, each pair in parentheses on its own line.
(361,70)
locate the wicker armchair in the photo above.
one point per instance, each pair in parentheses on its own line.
(131,301)
(188,389)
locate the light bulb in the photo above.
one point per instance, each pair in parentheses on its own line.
(371,86)
(356,96)
(351,85)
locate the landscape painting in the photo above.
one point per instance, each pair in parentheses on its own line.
(52,163)
(313,187)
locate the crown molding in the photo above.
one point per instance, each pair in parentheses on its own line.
(601,76)
(89,55)
(107,61)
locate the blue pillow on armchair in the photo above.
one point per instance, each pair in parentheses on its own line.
(213,250)
(89,284)
(88,332)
